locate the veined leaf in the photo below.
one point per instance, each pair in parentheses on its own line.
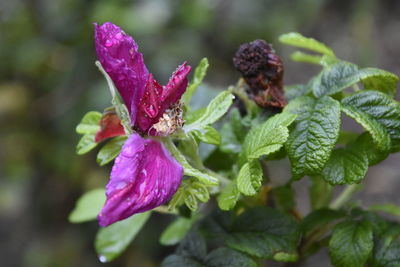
(298,40)
(366,143)
(346,166)
(228,197)
(110,150)
(375,108)
(296,90)
(215,110)
(208,135)
(112,240)
(265,233)
(387,247)
(88,206)
(351,244)
(250,178)
(89,123)
(320,218)
(268,137)
(377,79)
(336,78)
(387,208)
(198,77)
(85,144)
(310,143)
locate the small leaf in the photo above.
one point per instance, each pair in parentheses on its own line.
(377,79)
(336,78)
(111,241)
(85,144)
(215,110)
(187,168)
(226,257)
(268,137)
(320,218)
(176,231)
(88,206)
(89,123)
(351,243)
(265,233)
(293,91)
(250,178)
(375,108)
(298,40)
(366,143)
(387,247)
(189,193)
(228,197)
(307,58)
(208,135)
(110,150)
(387,208)
(310,143)
(199,74)
(346,166)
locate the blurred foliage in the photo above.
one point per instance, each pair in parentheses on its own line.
(48,80)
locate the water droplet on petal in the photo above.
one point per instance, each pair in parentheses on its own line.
(102,258)
(109,43)
(151,111)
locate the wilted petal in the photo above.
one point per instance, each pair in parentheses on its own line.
(143,177)
(110,126)
(157,99)
(119,56)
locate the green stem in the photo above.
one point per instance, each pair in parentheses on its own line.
(344,196)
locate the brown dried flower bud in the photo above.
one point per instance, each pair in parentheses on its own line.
(262,70)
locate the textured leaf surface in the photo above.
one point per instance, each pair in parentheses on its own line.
(346,166)
(88,206)
(228,197)
(111,241)
(265,233)
(377,79)
(310,143)
(250,178)
(351,244)
(215,110)
(89,123)
(378,107)
(110,150)
(336,78)
(298,40)
(387,248)
(208,135)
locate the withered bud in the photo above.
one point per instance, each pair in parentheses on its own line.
(262,70)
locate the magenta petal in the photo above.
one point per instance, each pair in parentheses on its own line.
(156,99)
(143,177)
(119,56)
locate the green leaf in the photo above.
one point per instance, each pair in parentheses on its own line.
(298,40)
(228,197)
(176,231)
(387,208)
(208,135)
(89,123)
(310,143)
(85,144)
(346,166)
(377,79)
(336,78)
(366,143)
(192,253)
(188,170)
(387,248)
(250,178)
(265,233)
(199,74)
(112,240)
(296,90)
(189,193)
(268,137)
(351,243)
(215,110)
(320,218)
(371,108)
(307,58)
(88,206)
(110,150)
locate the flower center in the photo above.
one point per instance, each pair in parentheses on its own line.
(171,120)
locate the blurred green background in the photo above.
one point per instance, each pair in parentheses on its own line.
(48,81)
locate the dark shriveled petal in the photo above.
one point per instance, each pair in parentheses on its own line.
(110,126)
(118,54)
(143,177)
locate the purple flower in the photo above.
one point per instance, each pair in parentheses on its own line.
(144,174)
